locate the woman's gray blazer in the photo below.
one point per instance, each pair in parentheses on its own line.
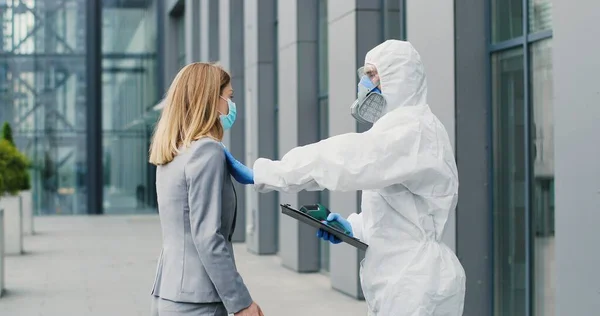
(197,207)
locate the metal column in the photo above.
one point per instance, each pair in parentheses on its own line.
(93,62)
(193,22)
(348,38)
(299,109)
(231,57)
(474,240)
(260,126)
(209,30)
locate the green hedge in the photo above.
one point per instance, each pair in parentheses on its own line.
(14,173)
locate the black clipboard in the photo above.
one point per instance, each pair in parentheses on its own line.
(307,219)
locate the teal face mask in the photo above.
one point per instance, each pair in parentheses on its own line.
(228,120)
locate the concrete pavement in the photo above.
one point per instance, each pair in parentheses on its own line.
(105,266)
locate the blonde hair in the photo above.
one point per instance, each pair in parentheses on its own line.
(190,111)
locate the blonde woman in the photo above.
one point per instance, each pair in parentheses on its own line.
(196,273)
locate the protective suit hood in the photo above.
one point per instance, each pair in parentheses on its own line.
(401,73)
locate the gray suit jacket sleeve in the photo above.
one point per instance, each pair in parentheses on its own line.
(204,174)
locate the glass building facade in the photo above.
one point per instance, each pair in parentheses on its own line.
(43,95)
(55,92)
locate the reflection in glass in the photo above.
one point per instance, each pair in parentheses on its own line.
(507,19)
(543,186)
(43,96)
(129,89)
(540,15)
(509,183)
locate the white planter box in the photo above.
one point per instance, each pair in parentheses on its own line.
(27,206)
(1,252)
(13,224)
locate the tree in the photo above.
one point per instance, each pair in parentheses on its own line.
(7,133)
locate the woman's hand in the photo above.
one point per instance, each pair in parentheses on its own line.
(252,310)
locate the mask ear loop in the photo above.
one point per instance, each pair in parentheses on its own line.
(225,102)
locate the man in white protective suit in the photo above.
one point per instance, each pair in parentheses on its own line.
(406,170)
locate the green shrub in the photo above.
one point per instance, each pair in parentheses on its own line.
(25,178)
(16,180)
(26,181)
(13,168)
(7,133)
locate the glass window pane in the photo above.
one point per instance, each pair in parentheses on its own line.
(540,15)
(43,96)
(119,29)
(129,91)
(542,100)
(507,19)
(509,182)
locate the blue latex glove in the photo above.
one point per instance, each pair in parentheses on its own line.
(331,238)
(238,170)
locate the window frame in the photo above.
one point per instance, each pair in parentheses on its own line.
(524,41)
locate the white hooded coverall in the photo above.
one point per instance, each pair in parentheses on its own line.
(406,169)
